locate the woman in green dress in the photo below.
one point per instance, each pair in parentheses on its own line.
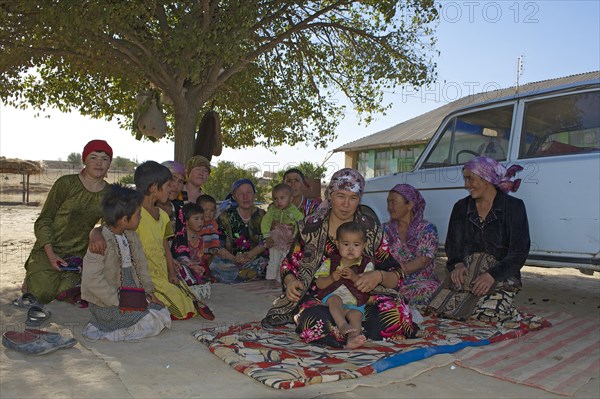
(71,210)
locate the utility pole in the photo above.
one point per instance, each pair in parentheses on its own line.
(519,72)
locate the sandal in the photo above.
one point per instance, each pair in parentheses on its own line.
(204,311)
(36,316)
(26,301)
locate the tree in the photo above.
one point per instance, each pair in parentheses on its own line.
(122,163)
(74,158)
(224,175)
(271,69)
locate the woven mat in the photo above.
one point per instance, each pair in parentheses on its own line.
(560,359)
(280,360)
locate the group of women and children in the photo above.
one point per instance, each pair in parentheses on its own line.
(345,277)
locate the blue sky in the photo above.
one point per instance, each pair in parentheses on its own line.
(479,42)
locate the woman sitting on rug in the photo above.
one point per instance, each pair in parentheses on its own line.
(71,210)
(487,243)
(296,180)
(242,255)
(413,243)
(386,314)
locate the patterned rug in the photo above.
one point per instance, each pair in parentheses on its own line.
(560,359)
(280,360)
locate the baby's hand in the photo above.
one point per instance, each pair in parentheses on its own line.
(349,274)
(337,274)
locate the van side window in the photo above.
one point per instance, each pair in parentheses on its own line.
(563,125)
(469,135)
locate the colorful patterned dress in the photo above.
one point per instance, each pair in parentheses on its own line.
(417,288)
(238,236)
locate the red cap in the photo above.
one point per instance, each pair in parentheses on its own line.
(96,146)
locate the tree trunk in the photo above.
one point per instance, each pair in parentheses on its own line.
(185,133)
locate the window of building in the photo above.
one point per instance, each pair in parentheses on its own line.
(363,163)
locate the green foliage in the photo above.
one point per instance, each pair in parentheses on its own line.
(74,158)
(274,71)
(224,175)
(122,163)
(127,179)
(309,169)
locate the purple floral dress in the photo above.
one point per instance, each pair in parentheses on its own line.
(417,288)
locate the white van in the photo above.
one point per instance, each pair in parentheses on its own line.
(554,133)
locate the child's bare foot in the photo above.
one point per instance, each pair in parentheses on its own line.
(355,341)
(346,329)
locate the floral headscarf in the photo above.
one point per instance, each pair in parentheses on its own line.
(413,195)
(346,179)
(492,171)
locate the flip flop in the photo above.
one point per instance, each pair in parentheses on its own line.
(36,316)
(29,343)
(26,301)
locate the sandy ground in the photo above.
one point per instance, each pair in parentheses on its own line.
(173,364)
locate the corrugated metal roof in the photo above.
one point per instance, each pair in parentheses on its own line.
(422,127)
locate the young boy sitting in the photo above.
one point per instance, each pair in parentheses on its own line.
(123,264)
(335,280)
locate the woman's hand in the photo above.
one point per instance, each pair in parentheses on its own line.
(482,284)
(55,260)
(97,244)
(241,258)
(293,288)
(366,282)
(459,274)
(173,267)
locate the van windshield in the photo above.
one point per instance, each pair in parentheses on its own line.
(472,134)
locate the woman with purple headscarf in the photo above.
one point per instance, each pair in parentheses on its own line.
(386,313)
(413,243)
(488,241)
